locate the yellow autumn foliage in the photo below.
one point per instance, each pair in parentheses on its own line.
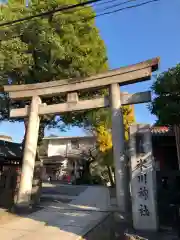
(104,137)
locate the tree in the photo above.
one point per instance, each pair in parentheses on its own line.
(166,104)
(89,155)
(101,127)
(100,122)
(58,46)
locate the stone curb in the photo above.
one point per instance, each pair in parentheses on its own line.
(92,229)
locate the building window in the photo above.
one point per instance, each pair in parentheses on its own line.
(74,144)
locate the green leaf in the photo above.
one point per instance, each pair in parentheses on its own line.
(166,104)
(59,46)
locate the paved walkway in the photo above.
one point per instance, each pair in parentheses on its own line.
(62,192)
(61,221)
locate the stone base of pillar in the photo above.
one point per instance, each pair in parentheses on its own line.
(24,210)
(21,210)
(29,201)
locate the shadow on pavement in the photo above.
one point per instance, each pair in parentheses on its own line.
(56,219)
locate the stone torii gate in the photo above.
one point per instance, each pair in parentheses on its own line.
(113,80)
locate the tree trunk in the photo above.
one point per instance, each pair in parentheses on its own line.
(110,175)
(86,176)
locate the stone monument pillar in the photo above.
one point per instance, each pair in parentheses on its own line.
(143,179)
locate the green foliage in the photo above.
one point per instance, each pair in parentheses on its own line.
(166,105)
(59,46)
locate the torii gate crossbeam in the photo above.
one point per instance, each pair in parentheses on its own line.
(112,80)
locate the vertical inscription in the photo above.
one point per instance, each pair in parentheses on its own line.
(141,166)
(142,178)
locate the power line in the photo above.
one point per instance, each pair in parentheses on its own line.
(75,6)
(98,15)
(110,1)
(120,9)
(106,8)
(8,34)
(69,7)
(116,5)
(103,2)
(61,9)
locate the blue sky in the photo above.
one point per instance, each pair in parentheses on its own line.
(132,36)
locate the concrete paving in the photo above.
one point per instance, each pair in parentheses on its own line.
(63,189)
(62,221)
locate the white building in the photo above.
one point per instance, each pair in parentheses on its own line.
(62,155)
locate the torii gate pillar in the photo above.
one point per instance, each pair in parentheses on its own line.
(29,156)
(118,147)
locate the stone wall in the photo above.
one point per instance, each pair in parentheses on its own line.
(8,181)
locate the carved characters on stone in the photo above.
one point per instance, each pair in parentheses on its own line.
(143,193)
(143,210)
(141,164)
(142,178)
